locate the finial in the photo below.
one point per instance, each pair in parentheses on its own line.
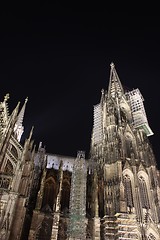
(112,65)
(6,97)
(40,145)
(26,99)
(80,154)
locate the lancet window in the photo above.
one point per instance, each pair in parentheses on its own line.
(49,193)
(128,191)
(143,192)
(65,195)
(129,146)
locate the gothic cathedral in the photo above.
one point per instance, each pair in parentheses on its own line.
(114,194)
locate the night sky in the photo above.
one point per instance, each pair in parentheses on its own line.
(60,59)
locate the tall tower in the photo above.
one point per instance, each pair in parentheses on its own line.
(122,159)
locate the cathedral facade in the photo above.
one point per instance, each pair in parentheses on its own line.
(114,194)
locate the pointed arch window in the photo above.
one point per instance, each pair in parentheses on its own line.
(143,192)
(49,194)
(130,145)
(128,191)
(65,195)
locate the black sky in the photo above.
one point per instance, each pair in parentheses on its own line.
(60,59)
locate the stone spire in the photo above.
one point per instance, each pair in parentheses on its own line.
(21,114)
(115,88)
(8,131)
(19,129)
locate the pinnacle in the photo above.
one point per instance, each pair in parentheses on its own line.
(112,65)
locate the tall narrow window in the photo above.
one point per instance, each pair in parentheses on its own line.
(143,192)
(49,194)
(129,146)
(65,196)
(128,191)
